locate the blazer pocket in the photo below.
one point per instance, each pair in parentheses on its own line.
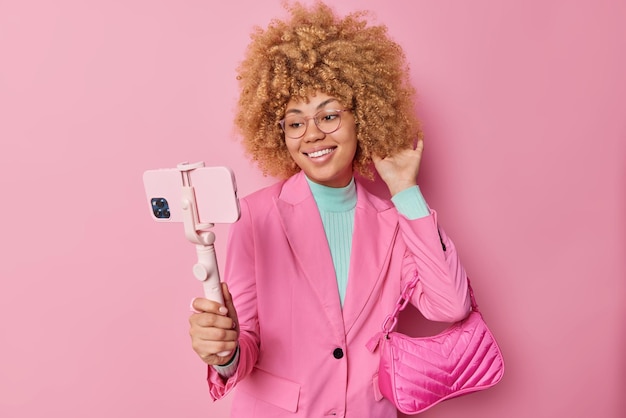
(271,389)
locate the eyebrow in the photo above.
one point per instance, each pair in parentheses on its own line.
(319,106)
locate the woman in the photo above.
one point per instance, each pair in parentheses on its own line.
(315,262)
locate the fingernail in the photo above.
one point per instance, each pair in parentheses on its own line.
(191,308)
(223,310)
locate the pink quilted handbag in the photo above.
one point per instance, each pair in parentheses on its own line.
(418,373)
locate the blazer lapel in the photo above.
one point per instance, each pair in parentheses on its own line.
(375,230)
(304,230)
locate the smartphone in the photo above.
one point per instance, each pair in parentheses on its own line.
(215,191)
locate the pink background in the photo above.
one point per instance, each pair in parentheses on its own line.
(523,109)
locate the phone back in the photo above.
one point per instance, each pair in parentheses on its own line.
(215,192)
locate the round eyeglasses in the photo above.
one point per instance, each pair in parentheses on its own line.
(327,121)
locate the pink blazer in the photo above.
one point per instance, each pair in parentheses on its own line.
(301,354)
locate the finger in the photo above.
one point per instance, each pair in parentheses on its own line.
(376,158)
(210,320)
(228,301)
(419,146)
(228,297)
(225,356)
(192,308)
(206,305)
(213,334)
(211,352)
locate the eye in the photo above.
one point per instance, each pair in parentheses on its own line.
(295,124)
(328,116)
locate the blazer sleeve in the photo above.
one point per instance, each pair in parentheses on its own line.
(441,293)
(239,274)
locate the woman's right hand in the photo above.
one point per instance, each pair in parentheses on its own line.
(214,329)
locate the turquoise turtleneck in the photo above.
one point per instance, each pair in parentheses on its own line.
(336,207)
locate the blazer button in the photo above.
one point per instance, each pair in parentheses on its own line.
(338,353)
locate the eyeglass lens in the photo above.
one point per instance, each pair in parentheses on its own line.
(327,121)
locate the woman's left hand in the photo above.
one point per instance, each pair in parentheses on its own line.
(399,171)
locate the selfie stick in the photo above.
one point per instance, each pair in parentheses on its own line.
(205,269)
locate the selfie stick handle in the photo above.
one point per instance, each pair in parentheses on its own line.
(207,272)
(206,269)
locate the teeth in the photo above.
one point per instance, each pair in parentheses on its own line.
(320,153)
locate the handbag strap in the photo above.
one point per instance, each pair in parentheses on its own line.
(392,319)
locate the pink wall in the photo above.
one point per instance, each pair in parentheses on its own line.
(523,105)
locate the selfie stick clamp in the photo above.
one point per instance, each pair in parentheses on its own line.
(205,269)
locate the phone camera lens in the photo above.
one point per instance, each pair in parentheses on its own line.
(160,208)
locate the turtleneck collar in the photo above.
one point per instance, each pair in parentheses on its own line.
(334,199)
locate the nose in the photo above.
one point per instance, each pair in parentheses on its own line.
(312,132)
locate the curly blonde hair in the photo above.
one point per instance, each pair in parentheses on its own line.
(316,51)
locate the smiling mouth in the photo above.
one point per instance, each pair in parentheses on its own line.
(320,153)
